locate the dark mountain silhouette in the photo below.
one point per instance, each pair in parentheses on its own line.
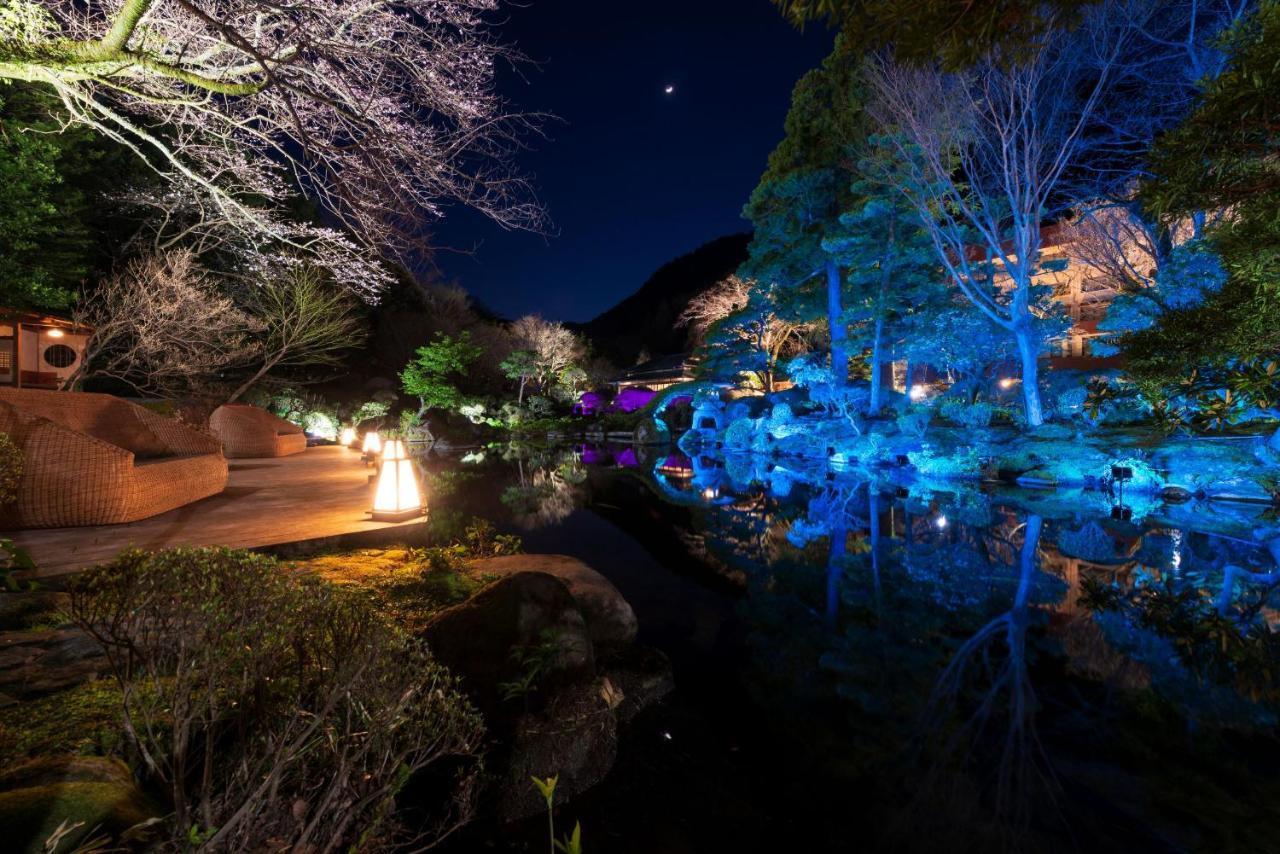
(646,320)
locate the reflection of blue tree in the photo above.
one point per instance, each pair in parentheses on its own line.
(1023,768)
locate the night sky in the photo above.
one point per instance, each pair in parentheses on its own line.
(632,177)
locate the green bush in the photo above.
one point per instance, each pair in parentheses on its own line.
(275,709)
(10,469)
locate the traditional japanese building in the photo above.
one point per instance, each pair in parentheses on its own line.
(39,350)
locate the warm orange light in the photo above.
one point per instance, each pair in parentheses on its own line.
(55,333)
(396,497)
(372,443)
(1008,382)
(348,437)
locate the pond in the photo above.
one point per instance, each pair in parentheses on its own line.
(865,663)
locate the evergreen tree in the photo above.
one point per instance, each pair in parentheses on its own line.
(1222,158)
(804,190)
(891,270)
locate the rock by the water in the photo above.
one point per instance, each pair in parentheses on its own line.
(492,638)
(638,678)
(39,662)
(90,796)
(575,738)
(610,619)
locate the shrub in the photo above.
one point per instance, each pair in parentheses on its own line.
(976,415)
(10,469)
(739,434)
(275,709)
(915,422)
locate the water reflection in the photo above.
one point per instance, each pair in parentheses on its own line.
(985,667)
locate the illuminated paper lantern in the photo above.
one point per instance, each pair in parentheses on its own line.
(396,497)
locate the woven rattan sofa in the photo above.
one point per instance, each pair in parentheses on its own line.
(247,431)
(94,459)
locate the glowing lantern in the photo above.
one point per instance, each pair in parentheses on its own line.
(348,437)
(396,497)
(1007,382)
(372,444)
(54,333)
(918,392)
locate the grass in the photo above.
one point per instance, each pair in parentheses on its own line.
(410,585)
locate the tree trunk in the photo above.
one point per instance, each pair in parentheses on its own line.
(877,358)
(835,566)
(839,334)
(520,397)
(249,383)
(1028,350)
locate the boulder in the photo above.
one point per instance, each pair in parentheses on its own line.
(574,738)
(39,662)
(83,796)
(636,678)
(610,620)
(526,628)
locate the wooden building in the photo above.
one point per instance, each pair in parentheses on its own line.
(38,350)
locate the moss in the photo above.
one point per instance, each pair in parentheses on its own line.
(410,585)
(81,720)
(24,610)
(30,816)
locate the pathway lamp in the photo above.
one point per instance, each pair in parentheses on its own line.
(396,497)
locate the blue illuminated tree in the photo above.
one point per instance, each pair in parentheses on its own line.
(799,200)
(890,268)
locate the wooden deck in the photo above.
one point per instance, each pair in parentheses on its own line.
(314,498)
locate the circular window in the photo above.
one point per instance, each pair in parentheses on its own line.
(59,355)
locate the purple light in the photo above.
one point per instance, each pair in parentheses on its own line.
(631,399)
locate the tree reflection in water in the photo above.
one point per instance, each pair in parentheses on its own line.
(944,648)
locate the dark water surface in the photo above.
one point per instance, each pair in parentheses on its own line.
(870,665)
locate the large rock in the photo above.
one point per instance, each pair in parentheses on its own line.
(39,662)
(610,620)
(637,678)
(81,797)
(575,738)
(521,624)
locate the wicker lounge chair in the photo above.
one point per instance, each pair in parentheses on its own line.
(247,431)
(94,459)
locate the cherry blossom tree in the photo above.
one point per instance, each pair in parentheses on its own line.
(380,111)
(162,324)
(743,330)
(550,346)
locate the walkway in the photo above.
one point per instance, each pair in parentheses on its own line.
(320,494)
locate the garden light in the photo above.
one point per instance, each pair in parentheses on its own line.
(348,437)
(1008,382)
(396,497)
(372,444)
